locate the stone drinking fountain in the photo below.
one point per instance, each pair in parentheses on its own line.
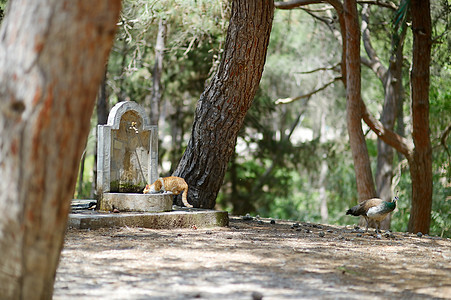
(127,160)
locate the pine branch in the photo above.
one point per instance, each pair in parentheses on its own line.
(321,19)
(289,100)
(295,3)
(295,123)
(375,63)
(387,4)
(330,68)
(389,137)
(328,22)
(444,136)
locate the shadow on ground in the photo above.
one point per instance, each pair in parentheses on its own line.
(252,259)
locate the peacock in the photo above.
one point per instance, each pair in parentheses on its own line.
(373,209)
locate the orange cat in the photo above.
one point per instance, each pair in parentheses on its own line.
(169,184)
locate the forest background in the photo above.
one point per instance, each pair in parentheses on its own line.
(292,159)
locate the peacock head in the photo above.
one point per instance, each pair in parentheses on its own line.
(395,199)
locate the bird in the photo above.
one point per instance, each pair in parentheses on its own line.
(373,209)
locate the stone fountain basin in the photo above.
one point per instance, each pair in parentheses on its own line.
(128,202)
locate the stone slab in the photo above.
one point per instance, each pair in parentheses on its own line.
(82,218)
(127,202)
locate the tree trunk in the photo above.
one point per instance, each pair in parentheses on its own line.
(362,165)
(222,106)
(322,192)
(322,184)
(102,118)
(393,90)
(81,174)
(421,168)
(155,97)
(176,125)
(102,101)
(51,66)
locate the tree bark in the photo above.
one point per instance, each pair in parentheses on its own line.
(51,66)
(362,165)
(421,168)
(222,106)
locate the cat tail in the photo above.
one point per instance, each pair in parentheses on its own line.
(185,201)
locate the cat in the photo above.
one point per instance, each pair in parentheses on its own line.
(169,184)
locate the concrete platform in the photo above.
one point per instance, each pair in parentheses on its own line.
(83,218)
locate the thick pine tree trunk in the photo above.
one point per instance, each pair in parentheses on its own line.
(51,64)
(421,166)
(222,106)
(362,165)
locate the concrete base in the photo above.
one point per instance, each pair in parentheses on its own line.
(136,202)
(82,218)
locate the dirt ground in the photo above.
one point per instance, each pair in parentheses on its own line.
(253,259)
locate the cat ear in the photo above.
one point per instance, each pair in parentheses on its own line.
(157,185)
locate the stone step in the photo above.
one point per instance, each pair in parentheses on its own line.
(82,218)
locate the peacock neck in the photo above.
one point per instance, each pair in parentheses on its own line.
(390,205)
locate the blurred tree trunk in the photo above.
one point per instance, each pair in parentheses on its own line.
(102,101)
(222,106)
(385,153)
(102,118)
(51,66)
(81,173)
(322,192)
(155,97)
(323,173)
(421,166)
(362,165)
(391,79)
(177,132)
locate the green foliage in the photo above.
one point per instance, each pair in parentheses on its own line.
(3,6)
(341,185)
(440,118)
(441,207)
(400,21)
(86,189)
